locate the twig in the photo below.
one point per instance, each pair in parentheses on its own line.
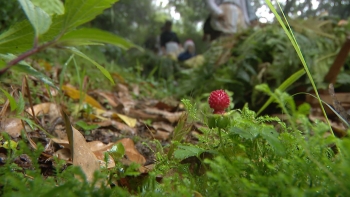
(24,55)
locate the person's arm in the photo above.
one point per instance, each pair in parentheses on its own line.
(214,8)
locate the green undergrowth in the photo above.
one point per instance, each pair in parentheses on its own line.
(258,156)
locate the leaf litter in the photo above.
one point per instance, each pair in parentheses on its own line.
(116,118)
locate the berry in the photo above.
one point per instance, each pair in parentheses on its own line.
(219,101)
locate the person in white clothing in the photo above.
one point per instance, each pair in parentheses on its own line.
(227,18)
(231,16)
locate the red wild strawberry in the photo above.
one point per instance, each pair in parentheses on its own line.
(219,101)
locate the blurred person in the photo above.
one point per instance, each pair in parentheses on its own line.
(189,52)
(230,16)
(169,41)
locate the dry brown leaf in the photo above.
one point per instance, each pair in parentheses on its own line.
(62,142)
(123,127)
(83,156)
(109,97)
(51,109)
(75,94)
(165,106)
(105,123)
(12,126)
(63,154)
(171,117)
(161,135)
(99,146)
(142,115)
(163,126)
(131,152)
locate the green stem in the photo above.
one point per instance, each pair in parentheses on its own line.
(220,137)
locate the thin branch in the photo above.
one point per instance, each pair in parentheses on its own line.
(24,55)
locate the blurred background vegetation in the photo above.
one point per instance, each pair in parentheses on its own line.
(262,54)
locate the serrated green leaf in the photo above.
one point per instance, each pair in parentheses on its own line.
(103,70)
(244,134)
(271,136)
(90,35)
(12,101)
(82,11)
(27,69)
(184,152)
(50,6)
(39,19)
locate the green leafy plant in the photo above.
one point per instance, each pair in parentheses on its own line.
(57,27)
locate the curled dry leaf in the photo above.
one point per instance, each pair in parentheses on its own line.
(62,142)
(109,97)
(131,152)
(171,106)
(163,126)
(161,135)
(99,146)
(63,154)
(51,109)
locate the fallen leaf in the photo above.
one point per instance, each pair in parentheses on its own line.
(76,94)
(12,126)
(171,117)
(123,127)
(81,154)
(161,135)
(50,109)
(63,154)
(109,97)
(131,152)
(129,121)
(110,114)
(99,146)
(163,126)
(165,106)
(62,142)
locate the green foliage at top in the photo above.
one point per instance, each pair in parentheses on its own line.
(80,12)
(51,7)
(57,29)
(39,19)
